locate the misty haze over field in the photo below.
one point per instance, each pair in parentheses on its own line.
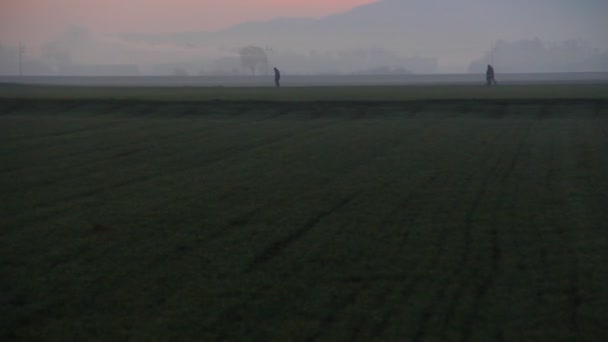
(389,37)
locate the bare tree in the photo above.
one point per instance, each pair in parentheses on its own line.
(252,57)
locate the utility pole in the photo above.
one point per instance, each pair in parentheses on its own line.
(492,58)
(21,52)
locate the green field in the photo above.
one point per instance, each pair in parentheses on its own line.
(147,214)
(311,94)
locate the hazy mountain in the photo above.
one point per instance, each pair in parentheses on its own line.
(454,31)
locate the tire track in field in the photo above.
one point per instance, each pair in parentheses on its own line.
(273,250)
(75,155)
(350,168)
(34,143)
(442,235)
(440,250)
(422,326)
(413,284)
(595,206)
(543,235)
(95,190)
(366,282)
(397,281)
(110,123)
(410,281)
(219,157)
(590,167)
(492,166)
(43,144)
(109,110)
(560,239)
(584,161)
(489,279)
(398,285)
(340,304)
(63,132)
(117,156)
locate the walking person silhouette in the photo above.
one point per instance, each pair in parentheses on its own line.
(277,78)
(490,76)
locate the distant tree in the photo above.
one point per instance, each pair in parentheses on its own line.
(252,57)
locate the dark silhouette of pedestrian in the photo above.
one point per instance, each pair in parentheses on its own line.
(277,78)
(490,76)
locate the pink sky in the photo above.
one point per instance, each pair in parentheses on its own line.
(40,19)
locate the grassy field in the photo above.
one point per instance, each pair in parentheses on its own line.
(414,220)
(310,94)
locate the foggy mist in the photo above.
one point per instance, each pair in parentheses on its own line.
(389,37)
